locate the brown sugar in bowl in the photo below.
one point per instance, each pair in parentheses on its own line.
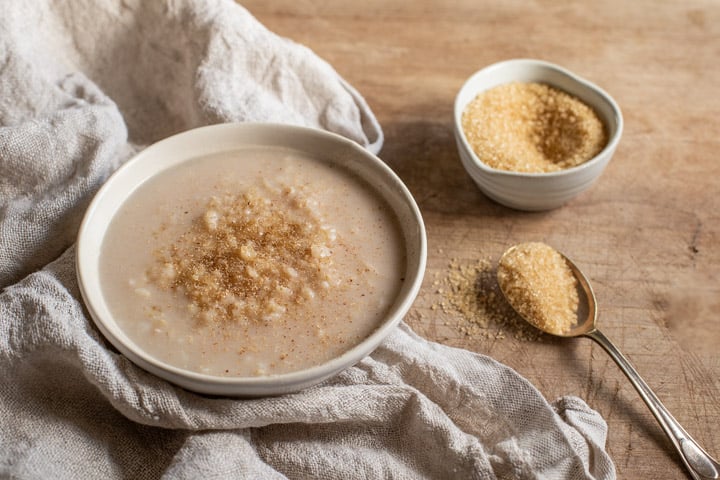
(536,189)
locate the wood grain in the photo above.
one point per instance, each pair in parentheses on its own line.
(647,234)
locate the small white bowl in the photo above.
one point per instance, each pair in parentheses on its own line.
(536,191)
(218,138)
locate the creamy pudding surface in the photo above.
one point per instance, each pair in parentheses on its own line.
(257,261)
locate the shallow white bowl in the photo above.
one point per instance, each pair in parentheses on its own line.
(218,138)
(536,191)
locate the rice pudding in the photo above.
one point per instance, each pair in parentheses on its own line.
(257,261)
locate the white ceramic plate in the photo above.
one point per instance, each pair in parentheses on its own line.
(226,137)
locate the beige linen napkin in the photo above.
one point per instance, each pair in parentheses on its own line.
(83,86)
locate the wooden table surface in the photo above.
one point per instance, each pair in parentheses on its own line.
(647,234)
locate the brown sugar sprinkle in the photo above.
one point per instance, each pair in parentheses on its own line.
(533,128)
(538,282)
(471,290)
(250,257)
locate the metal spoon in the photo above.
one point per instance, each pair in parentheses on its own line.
(698,462)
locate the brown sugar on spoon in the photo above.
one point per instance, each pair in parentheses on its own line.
(540,285)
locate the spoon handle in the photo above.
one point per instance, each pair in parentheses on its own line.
(699,463)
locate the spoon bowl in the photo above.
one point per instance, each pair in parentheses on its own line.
(699,463)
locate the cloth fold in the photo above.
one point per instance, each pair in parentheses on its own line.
(83,86)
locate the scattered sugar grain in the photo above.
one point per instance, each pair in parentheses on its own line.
(473,293)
